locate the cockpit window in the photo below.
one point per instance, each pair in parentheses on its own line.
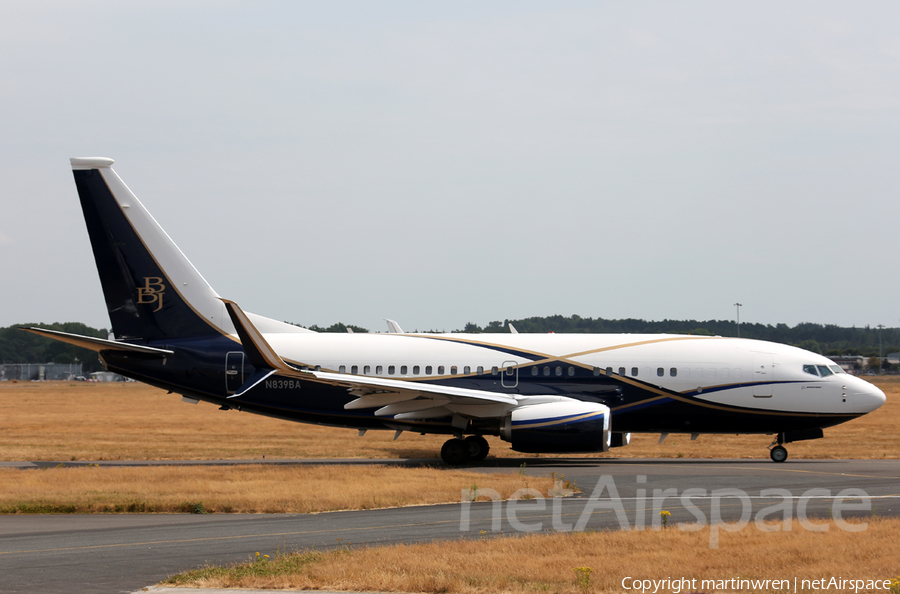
(824,371)
(810,369)
(836,368)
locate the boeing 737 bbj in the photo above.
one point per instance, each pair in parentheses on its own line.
(551,393)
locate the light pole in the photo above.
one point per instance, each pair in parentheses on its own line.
(738,307)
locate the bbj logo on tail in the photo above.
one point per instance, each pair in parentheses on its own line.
(152,291)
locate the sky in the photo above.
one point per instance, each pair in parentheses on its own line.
(445,163)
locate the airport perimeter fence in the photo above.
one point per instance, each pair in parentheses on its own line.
(40,371)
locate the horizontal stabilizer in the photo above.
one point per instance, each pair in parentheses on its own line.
(98,344)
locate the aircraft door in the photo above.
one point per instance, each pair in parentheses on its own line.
(234,371)
(763,375)
(509,374)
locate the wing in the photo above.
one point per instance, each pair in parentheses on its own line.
(414,400)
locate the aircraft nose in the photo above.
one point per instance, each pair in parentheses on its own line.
(867,396)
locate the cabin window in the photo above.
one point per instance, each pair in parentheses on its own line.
(379,370)
(428,370)
(390,370)
(354,370)
(660,371)
(634,372)
(725,373)
(534,370)
(415,370)
(453,370)
(480,370)
(546,370)
(318,368)
(571,371)
(673,372)
(596,371)
(609,371)
(699,372)
(342,369)
(440,370)
(712,373)
(621,371)
(403,370)
(367,369)
(494,370)
(558,370)
(467,370)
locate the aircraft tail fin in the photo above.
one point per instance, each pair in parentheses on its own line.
(152,291)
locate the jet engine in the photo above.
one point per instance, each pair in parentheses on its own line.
(556,424)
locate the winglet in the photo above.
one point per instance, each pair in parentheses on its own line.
(393,327)
(259,352)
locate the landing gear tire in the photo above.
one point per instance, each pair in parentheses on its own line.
(778,454)
(455,452)
(478,448)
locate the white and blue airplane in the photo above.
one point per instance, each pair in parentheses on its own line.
(553,393)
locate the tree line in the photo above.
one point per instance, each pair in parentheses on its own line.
(17,346)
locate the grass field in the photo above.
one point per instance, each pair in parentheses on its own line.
(243,489)
(63,421)
(580,562)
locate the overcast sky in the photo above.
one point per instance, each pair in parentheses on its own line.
(440,163)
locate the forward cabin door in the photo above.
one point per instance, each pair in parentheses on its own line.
(763,377)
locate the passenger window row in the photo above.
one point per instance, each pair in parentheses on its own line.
(560,371)
(699,372)
(404,369)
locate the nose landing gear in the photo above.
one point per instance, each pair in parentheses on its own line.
(778,453)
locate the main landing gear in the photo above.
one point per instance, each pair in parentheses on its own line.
(457,451)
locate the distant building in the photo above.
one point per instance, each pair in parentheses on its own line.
(851,363)
(39,371)
(108,376)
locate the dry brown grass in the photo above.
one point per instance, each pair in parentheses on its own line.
(478,566)
(82,421)
(246,489)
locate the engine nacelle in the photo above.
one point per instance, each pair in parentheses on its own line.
(558,425)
